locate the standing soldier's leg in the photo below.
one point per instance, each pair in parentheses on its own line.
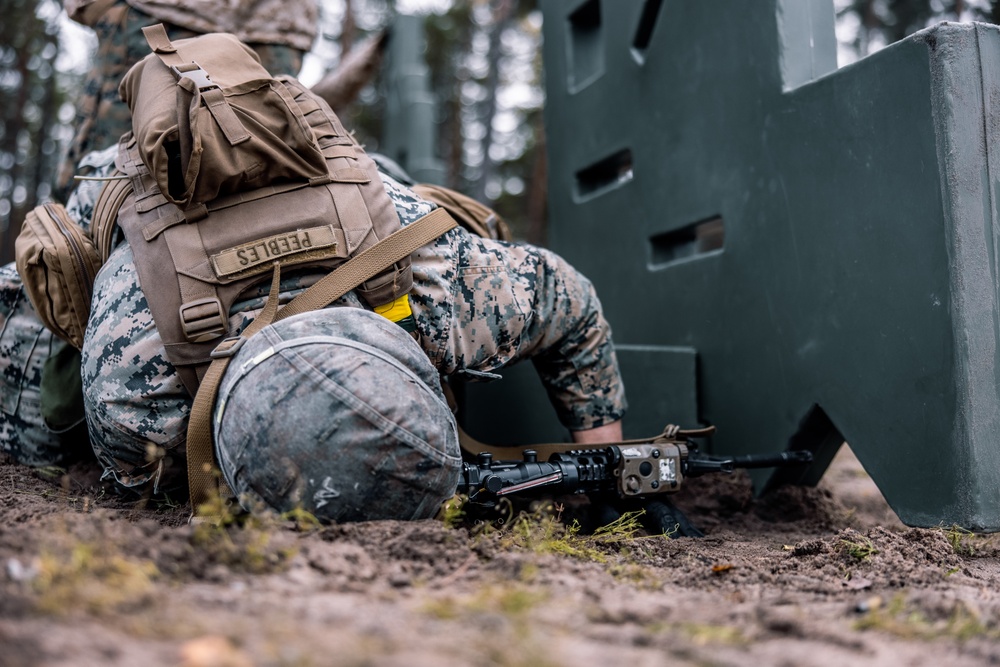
(101,117)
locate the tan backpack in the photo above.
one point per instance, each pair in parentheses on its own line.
(234,172)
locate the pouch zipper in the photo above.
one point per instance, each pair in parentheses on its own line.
(86,280)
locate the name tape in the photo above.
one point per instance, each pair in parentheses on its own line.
(264,251)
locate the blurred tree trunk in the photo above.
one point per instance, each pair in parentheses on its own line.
(502,12)
(538,188)
(29,113)
(348,31)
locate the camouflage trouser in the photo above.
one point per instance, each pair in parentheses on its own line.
(25,344)
(101,116)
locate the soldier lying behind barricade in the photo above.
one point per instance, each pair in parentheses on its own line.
(336,411)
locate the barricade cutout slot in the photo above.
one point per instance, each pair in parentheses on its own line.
(586,49)
(604,175)
(700,238)
(644,31)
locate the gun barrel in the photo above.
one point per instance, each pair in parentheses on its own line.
(778,460)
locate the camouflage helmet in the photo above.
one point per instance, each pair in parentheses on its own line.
(338,412)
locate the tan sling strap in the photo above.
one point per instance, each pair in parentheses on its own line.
(671,433)
(471,447)
(353,272)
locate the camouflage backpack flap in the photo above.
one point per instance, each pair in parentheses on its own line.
(195,260)
(209,120)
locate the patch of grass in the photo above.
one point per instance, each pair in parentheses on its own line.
(640,576)
(960,540)
(623,529)
(969,544)
(542,532)
(704,634)
(91,577)
(861,549)
(901,621)
(303,520)
(452,512)
(512,602)
(238,539)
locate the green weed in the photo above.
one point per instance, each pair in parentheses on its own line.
(704,634)
(861,549)
(303,520)
(241,540)
(969,544)
(91,577)
(899,620)
(452,512)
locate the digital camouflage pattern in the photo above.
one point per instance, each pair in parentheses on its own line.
(479,305)
(365,431)
(25,344)
(284,22)
(101,116)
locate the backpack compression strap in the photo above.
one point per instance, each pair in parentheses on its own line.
(215,101)
(202,473)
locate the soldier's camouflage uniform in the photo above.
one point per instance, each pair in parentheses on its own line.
(280,31)
(25,344)
(24,347)
(479,305)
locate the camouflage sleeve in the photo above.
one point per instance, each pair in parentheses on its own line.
(481,305)
(570,344)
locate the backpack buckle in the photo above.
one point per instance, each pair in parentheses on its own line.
(198,76)
(203,320)
(228,347)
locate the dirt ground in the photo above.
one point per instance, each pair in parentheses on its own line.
(823,576)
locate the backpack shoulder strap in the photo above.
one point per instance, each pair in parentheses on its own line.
(105,218)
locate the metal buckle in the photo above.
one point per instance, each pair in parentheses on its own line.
(203,320)
(228,347)
(198,76)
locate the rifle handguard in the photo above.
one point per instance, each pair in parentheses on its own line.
(632,468)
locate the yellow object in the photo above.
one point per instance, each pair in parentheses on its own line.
(397,310)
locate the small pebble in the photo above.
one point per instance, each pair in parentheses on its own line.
(868,604)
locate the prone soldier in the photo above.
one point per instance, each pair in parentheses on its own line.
(340,411)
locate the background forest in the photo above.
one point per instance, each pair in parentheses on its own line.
(485,66)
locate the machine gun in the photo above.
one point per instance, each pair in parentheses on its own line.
(630,473)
